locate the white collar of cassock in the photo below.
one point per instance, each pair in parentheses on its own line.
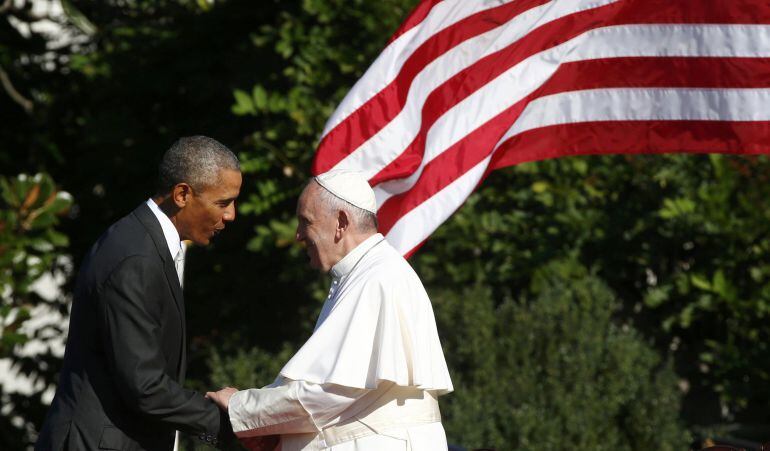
(169,231)
(348,262)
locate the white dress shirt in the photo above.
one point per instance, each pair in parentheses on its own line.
(175,247)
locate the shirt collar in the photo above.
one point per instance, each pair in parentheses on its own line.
(344,266)
(169,230)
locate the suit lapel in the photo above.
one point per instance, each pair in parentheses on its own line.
(150,222)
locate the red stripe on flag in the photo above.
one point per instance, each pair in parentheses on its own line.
(378,111)
(634,137)
(695,11)
(659,72)
(607,73)
(418,14)
(547,36)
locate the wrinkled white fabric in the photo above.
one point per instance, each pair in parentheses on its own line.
(376,325)
(374,355)
(290,407)
(311,417)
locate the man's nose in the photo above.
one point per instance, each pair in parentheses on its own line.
(229,213)
(298,235)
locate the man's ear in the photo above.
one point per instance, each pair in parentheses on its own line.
(181,194)
(343,222)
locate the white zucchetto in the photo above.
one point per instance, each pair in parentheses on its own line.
(350,186)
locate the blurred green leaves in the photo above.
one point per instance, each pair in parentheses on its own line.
(29,245)
(31,248)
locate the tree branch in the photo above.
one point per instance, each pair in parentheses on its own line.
(14,94)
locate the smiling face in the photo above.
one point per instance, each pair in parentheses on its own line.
(318,229)
(203,214)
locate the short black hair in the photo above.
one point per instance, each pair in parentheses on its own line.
(195,160)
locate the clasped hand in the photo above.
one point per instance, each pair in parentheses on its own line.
(222,397)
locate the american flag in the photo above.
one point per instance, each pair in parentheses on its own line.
(465,87)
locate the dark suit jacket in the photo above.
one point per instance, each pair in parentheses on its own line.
(120,385)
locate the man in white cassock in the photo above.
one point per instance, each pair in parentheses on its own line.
(369,376)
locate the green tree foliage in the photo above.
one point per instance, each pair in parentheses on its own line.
(556,372)
(30,246)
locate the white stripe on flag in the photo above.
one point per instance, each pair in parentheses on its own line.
(669,40)
(644,104)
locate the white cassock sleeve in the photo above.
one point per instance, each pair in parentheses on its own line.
(292,408)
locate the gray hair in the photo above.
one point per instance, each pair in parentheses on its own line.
(195,160)
(362,220)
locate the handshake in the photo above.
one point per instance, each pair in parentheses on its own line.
(257,443)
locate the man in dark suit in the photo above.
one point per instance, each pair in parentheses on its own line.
(120,387)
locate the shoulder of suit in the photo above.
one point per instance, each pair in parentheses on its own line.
(124,239)
(129,237)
